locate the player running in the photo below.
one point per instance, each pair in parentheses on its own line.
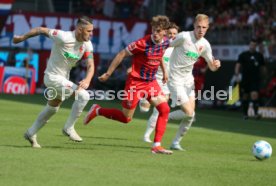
(188,47)
(146,55)
(144,104)
(68,48)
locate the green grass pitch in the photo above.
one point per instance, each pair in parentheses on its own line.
(218,150)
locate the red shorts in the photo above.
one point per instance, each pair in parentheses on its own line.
(136,89)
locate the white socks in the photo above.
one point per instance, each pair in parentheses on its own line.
(184,126)
(177,115)
(81,100)
(151,123)
(42,119)
(156,144)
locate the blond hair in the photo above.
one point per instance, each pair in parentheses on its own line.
(201,17)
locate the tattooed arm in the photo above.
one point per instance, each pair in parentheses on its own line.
(33,32)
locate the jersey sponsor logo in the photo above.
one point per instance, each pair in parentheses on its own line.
(166,59)
(71,56)
(154,61)
(192,55)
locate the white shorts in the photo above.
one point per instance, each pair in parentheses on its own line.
(58,87)
(181,94)
(164,87)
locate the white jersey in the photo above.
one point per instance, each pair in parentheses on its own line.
(166,60)
(186,51)
(66,52)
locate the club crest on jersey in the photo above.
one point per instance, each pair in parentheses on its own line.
(81,49)
(200,48)
(55,32)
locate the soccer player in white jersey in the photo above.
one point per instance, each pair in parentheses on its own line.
(172,31)
(188,47)
(68,48)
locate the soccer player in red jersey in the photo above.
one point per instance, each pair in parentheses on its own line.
(146,55)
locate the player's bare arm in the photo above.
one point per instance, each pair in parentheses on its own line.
(164,71)
(32,33)
(214,65)
(114,64)
(89,74)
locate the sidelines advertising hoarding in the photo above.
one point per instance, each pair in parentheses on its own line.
(17,80)
(109,35)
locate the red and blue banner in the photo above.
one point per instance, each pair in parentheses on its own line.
(5,6)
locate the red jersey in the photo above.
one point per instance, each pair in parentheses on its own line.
(146,58)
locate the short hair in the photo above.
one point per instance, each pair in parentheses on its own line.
(84,20)
(160,21)
(173,25)
(200,17)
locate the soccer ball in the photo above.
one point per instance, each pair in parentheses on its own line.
(262,150)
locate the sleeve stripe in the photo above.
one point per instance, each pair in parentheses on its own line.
(128,51)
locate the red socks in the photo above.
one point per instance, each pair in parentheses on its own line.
(164,110)
(113,114)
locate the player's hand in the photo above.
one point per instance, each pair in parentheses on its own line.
(104,77)
(216,64)
(84,83)
(165,78)
(17,39)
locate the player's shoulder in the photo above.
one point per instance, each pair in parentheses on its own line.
(142,41)
(146,38)
(88,45)
(205,41)
(184,34)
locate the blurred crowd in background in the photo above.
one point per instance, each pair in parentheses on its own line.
(238,19)
(232,22)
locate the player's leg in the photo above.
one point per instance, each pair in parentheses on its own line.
(163,108)
(176,115)
(49,110)
(144,105)
(245,98)
(189,109)
(129,104)
(254,95)
(152,123)
(154,116)
(81,99)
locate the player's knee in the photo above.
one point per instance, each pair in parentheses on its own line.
(53,109)
(190,118)
(190,112)
(163,108)
(144,105)
(83,95)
